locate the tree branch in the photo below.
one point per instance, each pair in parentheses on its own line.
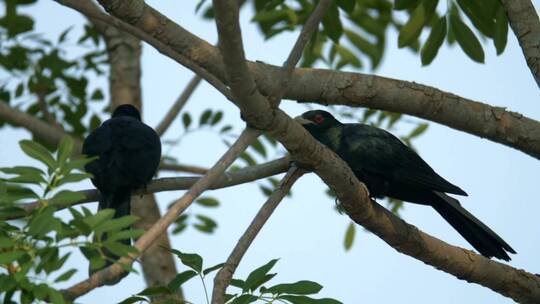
(331,87)
(224,276)
(227,179)
(353,194)
(178,105)
(46,132)
(526,26)
(182,168)
(114,271)
(253,105)
(308,152)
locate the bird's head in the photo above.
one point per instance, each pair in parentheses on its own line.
(317,121)
(127,110)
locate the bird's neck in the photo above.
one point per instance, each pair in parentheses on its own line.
(332,137)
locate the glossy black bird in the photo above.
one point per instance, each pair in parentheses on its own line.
(128,153)
(389,168)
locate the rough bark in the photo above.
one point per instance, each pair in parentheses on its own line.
(511,129)
(526,26)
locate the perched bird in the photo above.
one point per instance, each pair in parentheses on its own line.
(128,153)
(390,168)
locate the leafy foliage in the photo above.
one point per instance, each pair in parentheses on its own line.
(32,249)
(38,75)
(250,290)
(355,30)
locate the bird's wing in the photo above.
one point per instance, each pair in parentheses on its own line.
(377,151)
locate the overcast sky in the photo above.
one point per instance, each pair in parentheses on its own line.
(305,232)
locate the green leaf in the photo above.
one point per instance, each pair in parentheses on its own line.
(238,283)
(434,41)
(213,268)
(10,256)
(332,23)
(421,128)
(134,299)
(43,222)
(97,95)
(500,34)
(73,178)
(244,299)
(25,175)
(191,260)
(300,288)
(180,279)
(466,39)
(126,234)
(64,150)
(55,296)
(258,146)
(205,116)
(207,202)
(207,224)
(349,236)
(347,57)
(405,4)
(38,152)
(366,47)
(186,120)
(258,276)
(116,224)
(66,275)
(410,32)
(479,16)
(216,118)
(16,24)
(307,300)
(99,218)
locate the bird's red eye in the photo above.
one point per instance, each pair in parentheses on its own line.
(319,119)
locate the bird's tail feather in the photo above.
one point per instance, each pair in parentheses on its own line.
(480,236)
(120,201)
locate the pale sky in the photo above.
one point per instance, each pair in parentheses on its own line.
(305,232)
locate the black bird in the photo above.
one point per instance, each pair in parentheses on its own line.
(390,168)
(128,153)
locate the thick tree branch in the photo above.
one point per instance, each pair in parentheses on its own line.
(115,271)
(328,87)
(353,195)
(227,179)
(50,134)
(178,105)
(254,106)
(328,166)
(526,26)
(224,276)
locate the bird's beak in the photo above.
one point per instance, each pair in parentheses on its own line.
(303,121)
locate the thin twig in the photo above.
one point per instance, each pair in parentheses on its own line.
(178,105)
(296,53)
(224,276)
(227,179)
(83,7)
(114,271)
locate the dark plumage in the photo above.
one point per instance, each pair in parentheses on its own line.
(389,168)
(128,153)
